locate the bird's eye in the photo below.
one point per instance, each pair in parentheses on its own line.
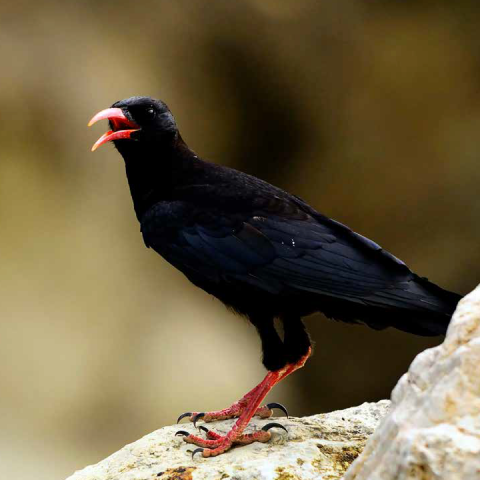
(151,112)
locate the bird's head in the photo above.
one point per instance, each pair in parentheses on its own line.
(136,120)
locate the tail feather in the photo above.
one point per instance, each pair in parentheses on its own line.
(415,306)
(418,306)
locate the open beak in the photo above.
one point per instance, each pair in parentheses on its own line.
(122,126)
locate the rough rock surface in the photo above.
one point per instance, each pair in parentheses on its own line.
(319,447)
(433,430)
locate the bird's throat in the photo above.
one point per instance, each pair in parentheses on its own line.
(153,174)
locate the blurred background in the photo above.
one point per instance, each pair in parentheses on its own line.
(369,110)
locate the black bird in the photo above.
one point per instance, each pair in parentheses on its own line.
(263,252)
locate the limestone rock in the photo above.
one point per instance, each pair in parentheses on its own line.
(433,429)
(318,447)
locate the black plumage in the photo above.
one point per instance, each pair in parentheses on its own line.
(262,251)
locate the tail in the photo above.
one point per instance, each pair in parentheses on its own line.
(417,306)
(414,305)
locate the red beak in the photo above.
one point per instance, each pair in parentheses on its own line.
(120,124)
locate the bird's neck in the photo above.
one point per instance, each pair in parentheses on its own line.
(154,171)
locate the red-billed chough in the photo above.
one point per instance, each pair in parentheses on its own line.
(263,252)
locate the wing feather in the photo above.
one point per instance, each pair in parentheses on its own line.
(281,248)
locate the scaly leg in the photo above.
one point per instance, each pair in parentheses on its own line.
(234,410)
(218,444)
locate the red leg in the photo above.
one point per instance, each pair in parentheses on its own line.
(235,410)
(218,444)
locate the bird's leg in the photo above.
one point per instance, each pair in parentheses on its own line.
(273,359)
(217,444)
(235,410)
(297,340)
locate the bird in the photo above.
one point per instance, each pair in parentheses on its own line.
(263,252)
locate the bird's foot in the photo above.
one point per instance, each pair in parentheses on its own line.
(247,407)
(235,410)
(216,444)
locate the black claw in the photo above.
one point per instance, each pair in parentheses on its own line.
(183,415)
(197,450)
(182,432)
(268,426)
(277,405)
(197,417)
(205,429)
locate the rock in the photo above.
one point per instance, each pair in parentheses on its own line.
(320,447)
(433,429)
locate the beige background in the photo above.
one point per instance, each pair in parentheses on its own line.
(369,110)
